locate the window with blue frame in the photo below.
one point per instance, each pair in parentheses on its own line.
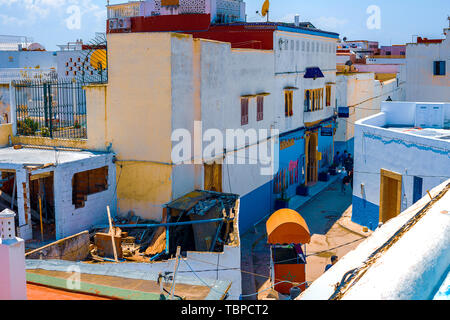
(439,68)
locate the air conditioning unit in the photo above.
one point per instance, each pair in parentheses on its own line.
(112,24)
(124,23)
(119,24)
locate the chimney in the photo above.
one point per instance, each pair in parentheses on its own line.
(12,260)
(297,20)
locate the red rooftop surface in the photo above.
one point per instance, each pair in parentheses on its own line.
(245,35)
(426,40)
(38,292)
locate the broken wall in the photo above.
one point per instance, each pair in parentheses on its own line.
(73,248)
(70,220)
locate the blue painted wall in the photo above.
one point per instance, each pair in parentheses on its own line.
(348,145)
(365,213)
(254,206)
(260,203)
(326,148)
(292,158)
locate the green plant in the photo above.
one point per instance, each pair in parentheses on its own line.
(77,125)
(45,132)
(27,127)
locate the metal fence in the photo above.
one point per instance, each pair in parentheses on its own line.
(54,109)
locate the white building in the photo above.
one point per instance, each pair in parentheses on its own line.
(400,153)
(360,95)
(428,70)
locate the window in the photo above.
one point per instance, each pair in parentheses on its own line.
(259,108)
(244,111)
(292,45)
(307,46)
(307,100)
(388,53)
(439,68)
(288,99)
(297,45)
(313,100)
(88,182)
(303,45)
(328,96)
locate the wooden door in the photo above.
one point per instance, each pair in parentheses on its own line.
(213,177)
(390,195)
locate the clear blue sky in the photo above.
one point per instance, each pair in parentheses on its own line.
(45,20)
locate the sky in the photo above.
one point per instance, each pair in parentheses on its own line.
(53,22)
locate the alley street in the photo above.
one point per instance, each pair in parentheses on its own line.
(323,215)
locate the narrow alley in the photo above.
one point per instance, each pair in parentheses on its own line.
(327,216)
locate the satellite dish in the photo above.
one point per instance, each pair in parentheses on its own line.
(98,59)
(265,8)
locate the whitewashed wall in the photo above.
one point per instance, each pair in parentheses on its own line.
(421,84)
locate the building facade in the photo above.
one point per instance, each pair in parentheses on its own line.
(400,153)
(359,95)
(427,69)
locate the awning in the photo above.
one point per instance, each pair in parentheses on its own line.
(287,226)
(313,73)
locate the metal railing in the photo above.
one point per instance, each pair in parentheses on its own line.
(53,109)
(10,74)
(124,10)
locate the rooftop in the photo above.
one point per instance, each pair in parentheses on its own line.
(443,134)
(40,156)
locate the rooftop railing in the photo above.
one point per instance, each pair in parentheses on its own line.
(14,74)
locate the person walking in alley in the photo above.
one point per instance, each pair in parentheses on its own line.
(337,159)
(348,163)
(345,183)
(334,259)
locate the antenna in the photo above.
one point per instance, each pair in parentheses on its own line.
(265,9)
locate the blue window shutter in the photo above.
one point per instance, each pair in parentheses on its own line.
(442,71)
(435,67)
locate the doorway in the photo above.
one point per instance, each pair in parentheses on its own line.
(43,205)
(311,157)
(213,177)
(390,195)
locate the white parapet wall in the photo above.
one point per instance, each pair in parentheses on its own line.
(412,267)
(12,260)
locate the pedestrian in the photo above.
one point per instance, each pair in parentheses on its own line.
(345,182)
(348,163)
(334,259)
(343,179)
(337,159)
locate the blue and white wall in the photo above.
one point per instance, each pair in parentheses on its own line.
(410,155)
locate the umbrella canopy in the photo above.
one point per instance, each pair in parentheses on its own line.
(287,226)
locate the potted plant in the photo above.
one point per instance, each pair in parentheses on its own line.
(283,201)
(324,176)
(303,190)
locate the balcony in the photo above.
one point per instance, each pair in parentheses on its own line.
(125,10)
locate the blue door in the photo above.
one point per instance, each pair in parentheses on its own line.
(417,192)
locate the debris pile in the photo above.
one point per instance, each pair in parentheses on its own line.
(199,221)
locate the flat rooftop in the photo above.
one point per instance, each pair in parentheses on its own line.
(37,156)
(441,134)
